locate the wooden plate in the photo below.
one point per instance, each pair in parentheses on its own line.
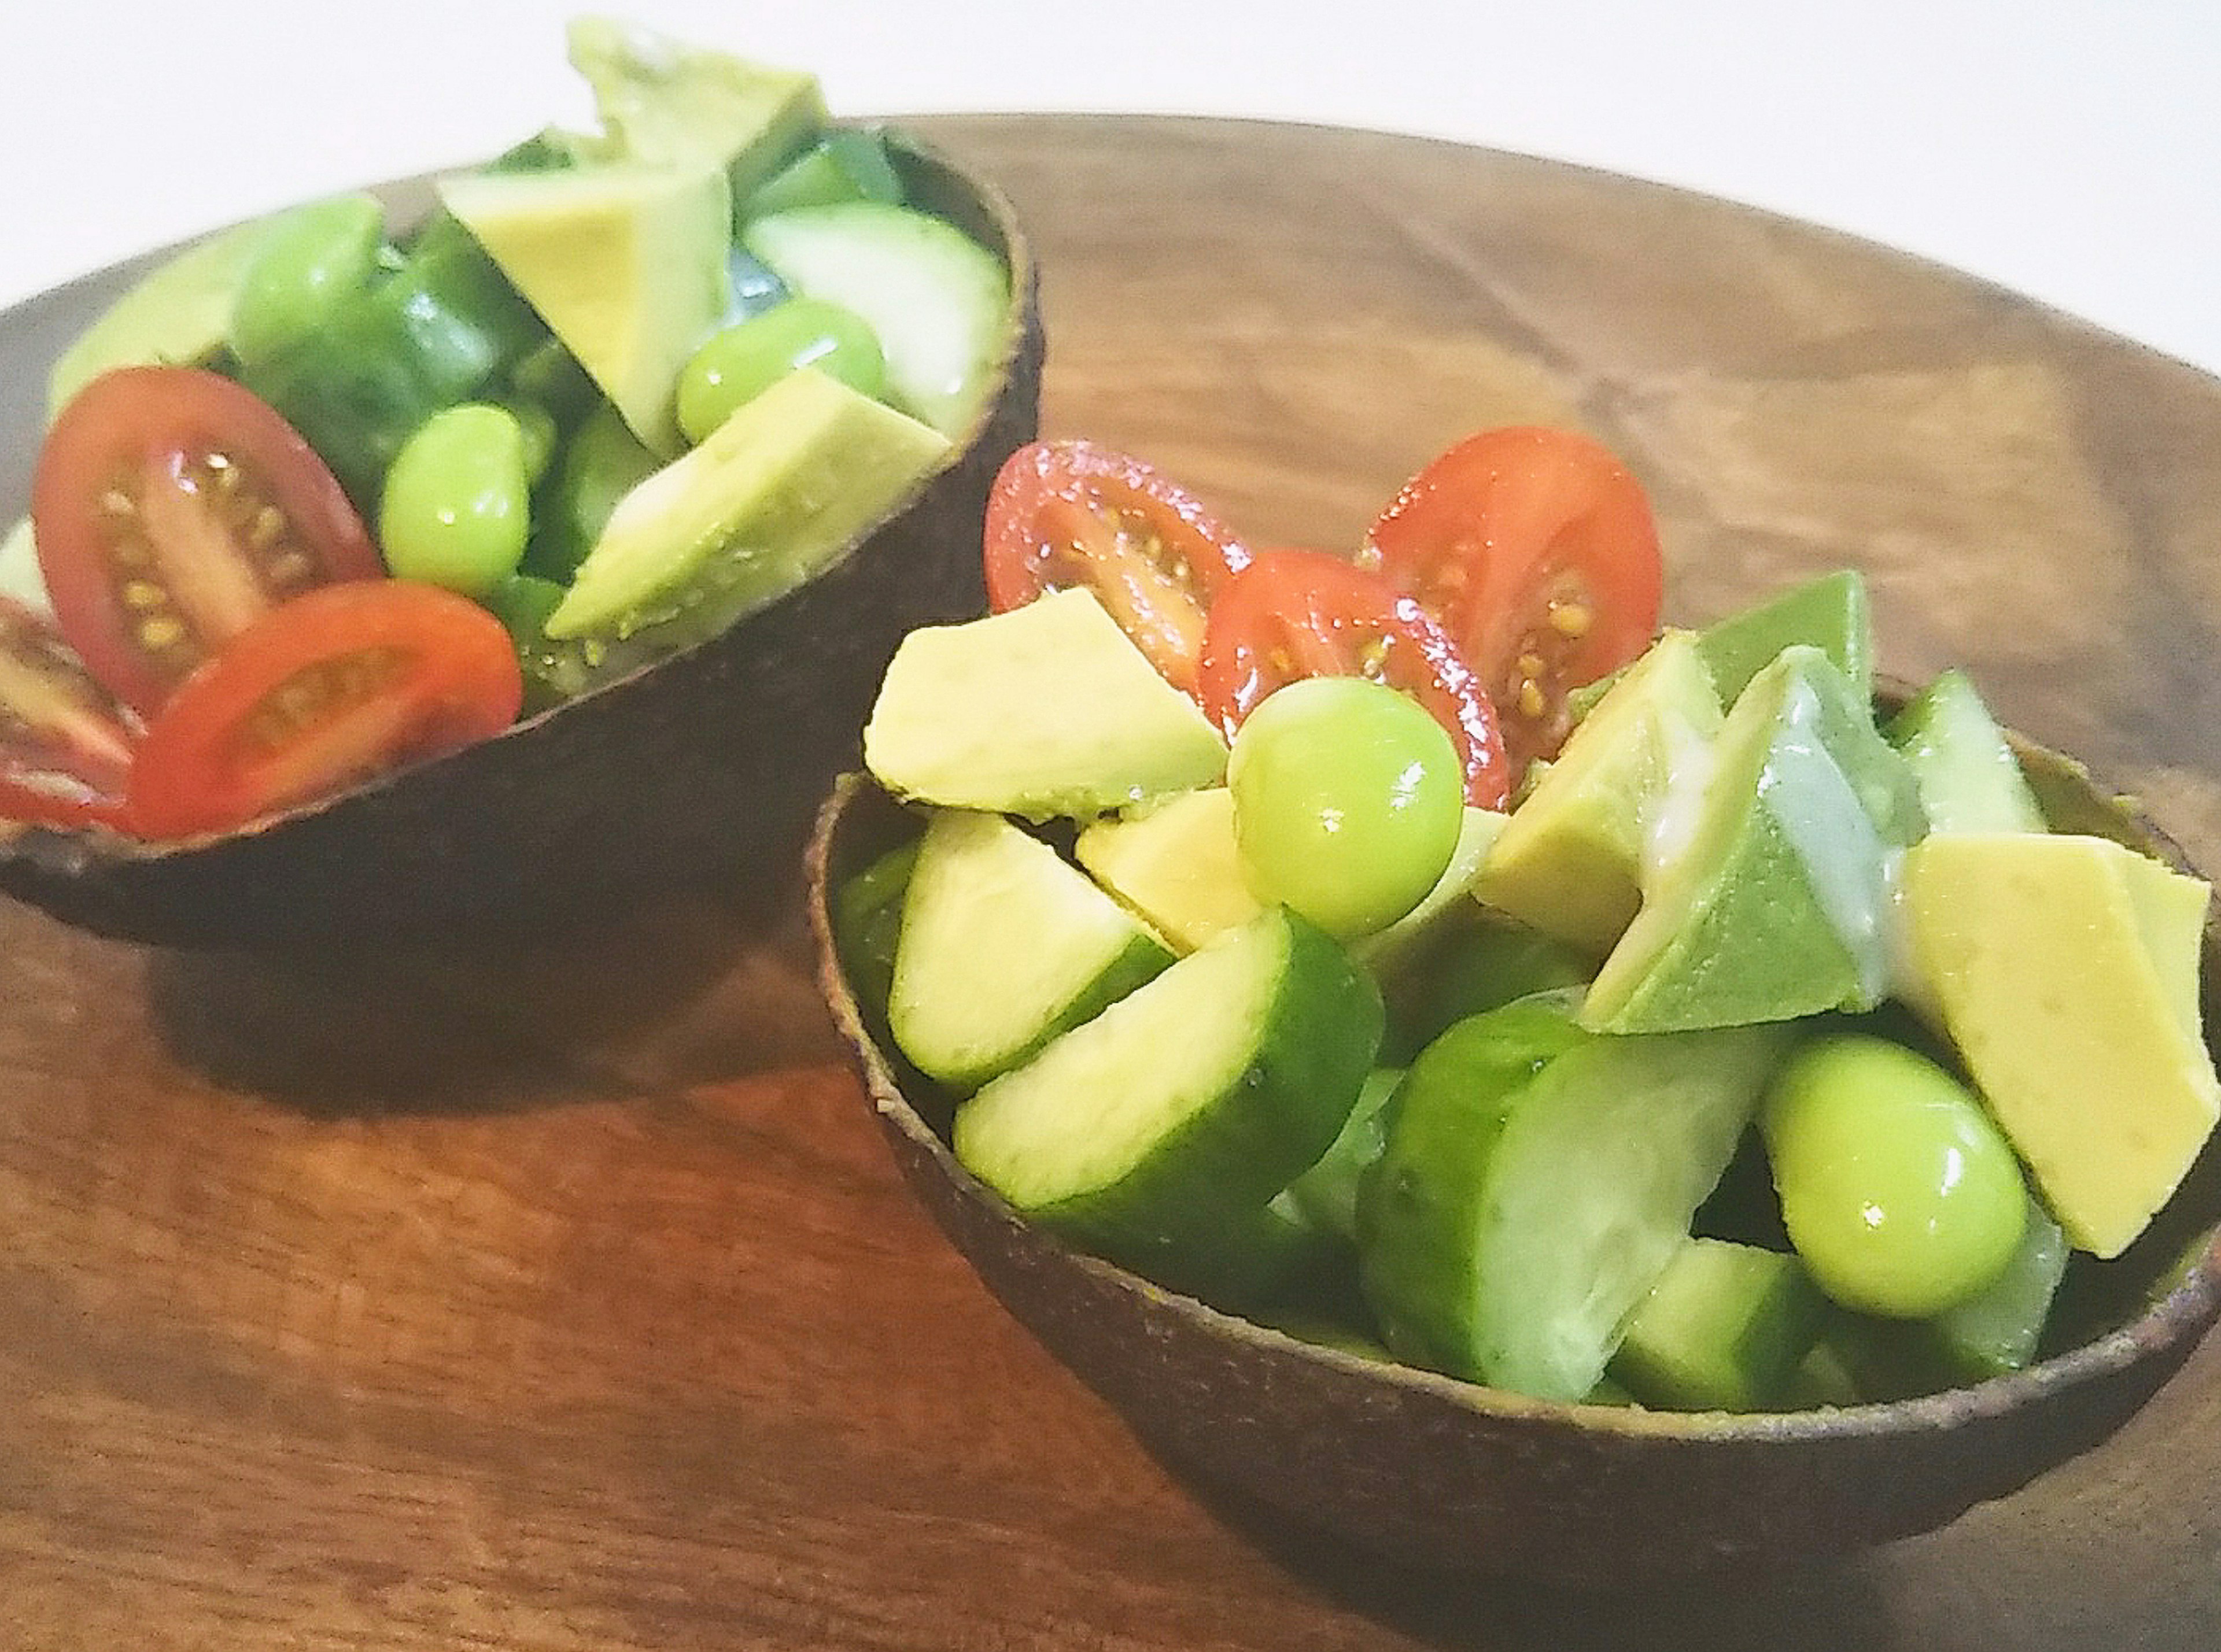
(567,1298)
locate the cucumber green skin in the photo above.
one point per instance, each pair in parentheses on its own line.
(867,922)
(1239,1149)
(1621,1137)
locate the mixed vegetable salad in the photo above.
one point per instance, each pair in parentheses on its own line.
(327,495)
(1423,950)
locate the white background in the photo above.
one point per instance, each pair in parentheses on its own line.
(2069,151)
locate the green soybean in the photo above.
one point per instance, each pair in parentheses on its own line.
(1901,1196)
(458,500)
(306,261)
(738,362)
(1348,801)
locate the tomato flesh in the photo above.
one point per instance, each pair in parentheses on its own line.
(172,509)
(1536,550)
(1293,614)
(1069,512)
(65,746)
(336,687)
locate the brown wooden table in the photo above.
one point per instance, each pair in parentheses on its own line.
(565,1298)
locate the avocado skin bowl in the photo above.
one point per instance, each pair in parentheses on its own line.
(708,764)
(1429,1472)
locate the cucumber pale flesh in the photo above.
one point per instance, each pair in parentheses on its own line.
(1197,1097)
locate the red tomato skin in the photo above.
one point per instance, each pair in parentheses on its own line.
(1506,526)
(1071,512)
(137,433)
(449,677)
(1297,614)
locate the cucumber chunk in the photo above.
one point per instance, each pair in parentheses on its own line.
(1003,945)
(938,300)
(1197,1097)
(1537,1179)
(1724,1328)
(1968,777)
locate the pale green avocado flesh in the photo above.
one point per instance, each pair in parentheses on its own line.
(1771,900)
(775,494)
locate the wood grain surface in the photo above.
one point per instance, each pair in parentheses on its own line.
(548,1300)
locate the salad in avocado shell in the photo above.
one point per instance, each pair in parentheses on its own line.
(1716,1058)
(326,496)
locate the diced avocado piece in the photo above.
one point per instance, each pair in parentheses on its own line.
(176,314)
(20,577)
(1829,613)
(1537,1181)
(1776,902)
(1173,861)
(1968,777)
(1722,1330)
(671,103)
(774,496)
(1046,710)
(1003,945)
(938,302)
(1570,860)
(625,262)
(2065,970)
(1198,1096)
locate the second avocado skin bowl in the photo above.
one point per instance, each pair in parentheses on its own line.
(706,766)
(1422,1470)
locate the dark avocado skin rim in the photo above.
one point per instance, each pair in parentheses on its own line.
(707,764)
(1423,1471)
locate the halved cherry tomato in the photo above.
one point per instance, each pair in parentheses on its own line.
(1299,613)
(1069,512)
(171,508)
(337,686)
(1536,551)
(65,746)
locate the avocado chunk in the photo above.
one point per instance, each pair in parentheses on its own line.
(1722,1330)
(1830,613)
(774,496)
(1174,862)
(176,314)
(625,262)
(663,101)
(1773,901)
(1046,710)
(1003,945)
(1537,1179)
(1191,1102)
(2064,968)
(1969,779)
(1569,861)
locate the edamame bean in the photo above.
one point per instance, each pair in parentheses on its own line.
(305,261)
(737,362)
(1348,803)
(1900,1193)
(458,500)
